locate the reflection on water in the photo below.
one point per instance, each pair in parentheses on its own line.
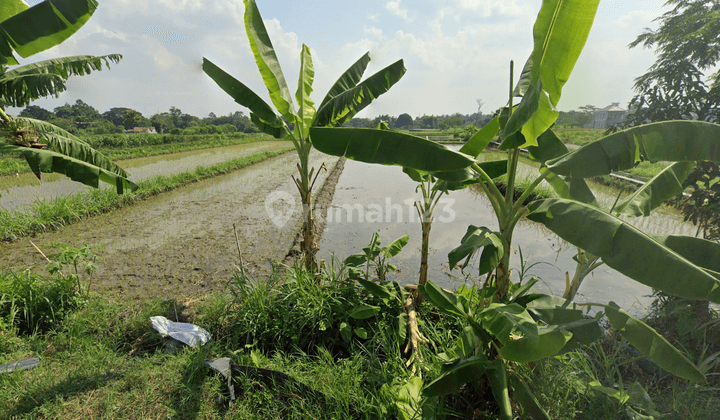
(19,191)
(374,198)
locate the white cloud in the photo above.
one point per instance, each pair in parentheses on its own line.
(396,9)
(489,8)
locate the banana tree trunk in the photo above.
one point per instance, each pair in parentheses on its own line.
(502,274)
(426,225)
(308,246)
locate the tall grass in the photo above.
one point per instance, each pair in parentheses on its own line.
(31,302)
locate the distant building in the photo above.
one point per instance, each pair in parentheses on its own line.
(609,116)
(144,130)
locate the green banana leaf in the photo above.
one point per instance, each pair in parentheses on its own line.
(474,239)
(480,140)
(363,311)
(625,248)
(22,85)
(10,8)
(73,147)
(348,80)
(40,27)
(501,320)
(526,398)
(525,79)
(666,184)
(560,33)
(550,147)
(267,62)
(345,105)
(394,247)
(651,344)
(388,148)
(306,115)
(242,94)
(701,252)
(498,377)
(550,341)
(453,378)
(277,131)
(48,161)
(457,180)
(672,141)
(450,303)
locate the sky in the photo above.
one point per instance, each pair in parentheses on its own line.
(456,52)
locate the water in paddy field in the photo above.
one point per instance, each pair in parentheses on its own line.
(386,194)
(17,192)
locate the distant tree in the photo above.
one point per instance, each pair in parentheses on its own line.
(132,118)
(162,122)
(359,123)
(384,118)
(83,112)
(64,111)
(404,120)
(588,109)
(181,120)
(426,121)
(454,121)
(34,111)
(115,115)
(574,119)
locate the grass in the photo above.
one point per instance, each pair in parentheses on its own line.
(52,214)
(163,149)
(126,146)
(579,136)
(103,360)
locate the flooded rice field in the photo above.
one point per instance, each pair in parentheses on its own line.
(379,199)
(20,191)
(181,243)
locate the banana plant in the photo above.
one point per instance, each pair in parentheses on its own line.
(346,97)
(505,324)
(30,30)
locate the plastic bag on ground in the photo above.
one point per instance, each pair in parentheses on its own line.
(190,334)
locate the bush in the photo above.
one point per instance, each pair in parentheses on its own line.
(300,311)
(33,303)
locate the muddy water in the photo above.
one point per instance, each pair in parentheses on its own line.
(181,243)
(385,194)
(20,191)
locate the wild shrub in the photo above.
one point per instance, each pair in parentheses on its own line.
(33,303)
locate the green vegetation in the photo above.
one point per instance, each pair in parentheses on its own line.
(52,22)
(53,214)
(493,348)
(504,325)
(579,136)
(346,97)
(103,359)
(128,146)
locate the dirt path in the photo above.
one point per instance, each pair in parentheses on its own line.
(181,243)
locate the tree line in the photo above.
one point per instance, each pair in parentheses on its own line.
(81,118)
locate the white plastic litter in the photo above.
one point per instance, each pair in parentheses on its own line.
(190,334)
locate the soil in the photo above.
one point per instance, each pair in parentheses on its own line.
(182,243)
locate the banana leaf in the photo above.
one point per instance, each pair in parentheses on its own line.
(625,248)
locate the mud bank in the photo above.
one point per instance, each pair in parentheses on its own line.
(181,243)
